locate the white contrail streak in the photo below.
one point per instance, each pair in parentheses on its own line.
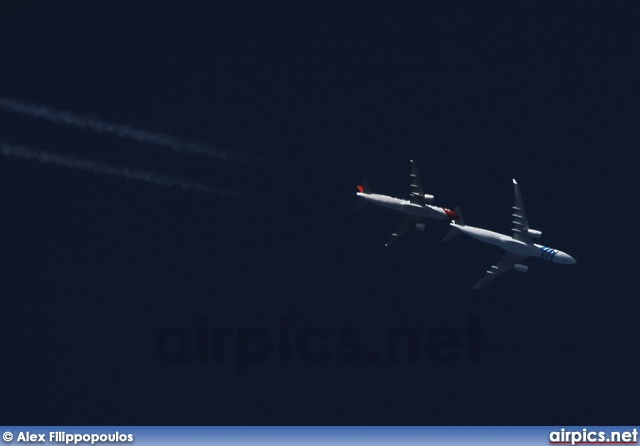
(44,157)
(124,131)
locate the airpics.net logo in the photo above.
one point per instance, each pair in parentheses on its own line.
(586,436)
(247,347)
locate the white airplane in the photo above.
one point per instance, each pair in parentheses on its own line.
(518,247)
(415,207)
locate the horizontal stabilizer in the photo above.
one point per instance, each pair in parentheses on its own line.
(451,234)
(360,204)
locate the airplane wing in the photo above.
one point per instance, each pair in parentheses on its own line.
(503,265)
(520,223)
(417,194)
(408,224)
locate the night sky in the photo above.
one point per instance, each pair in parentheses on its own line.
(102,275)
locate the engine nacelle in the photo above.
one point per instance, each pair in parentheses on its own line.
(520,267)
(534,233)
(428,198)
(420,226)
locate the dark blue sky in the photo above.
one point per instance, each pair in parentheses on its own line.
(95,268)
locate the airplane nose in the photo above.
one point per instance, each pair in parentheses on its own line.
(565,259)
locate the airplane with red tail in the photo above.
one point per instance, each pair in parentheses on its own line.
(415,208)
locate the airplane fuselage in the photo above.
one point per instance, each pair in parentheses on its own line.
(405,206)
(512,245)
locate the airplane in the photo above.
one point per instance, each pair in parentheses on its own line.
(518,246)
(415,208)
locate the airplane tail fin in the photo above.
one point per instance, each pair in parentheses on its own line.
(454,224)
(459,221)
(363,189)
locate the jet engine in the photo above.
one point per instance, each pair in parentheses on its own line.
(520,267)
(534,233)
(420,226)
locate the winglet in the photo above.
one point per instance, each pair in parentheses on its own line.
(514,181)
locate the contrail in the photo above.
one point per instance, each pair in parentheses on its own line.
(124,131)
(44,157)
